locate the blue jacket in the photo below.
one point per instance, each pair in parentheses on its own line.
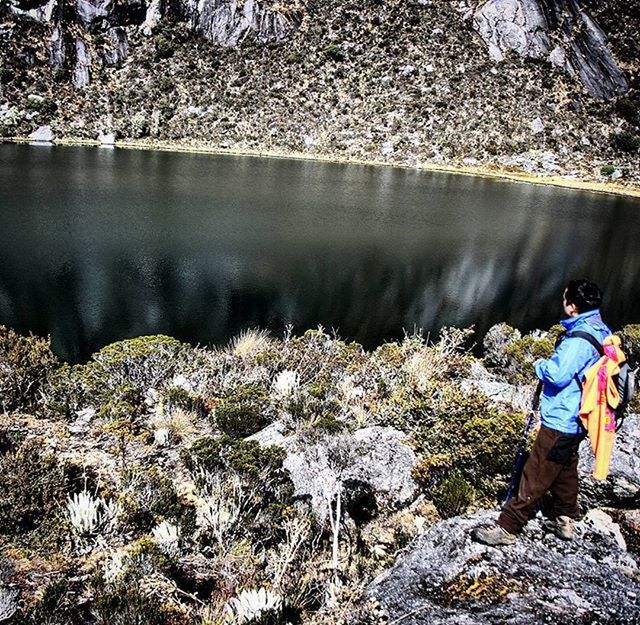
(560,401)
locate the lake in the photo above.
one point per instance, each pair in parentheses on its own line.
(98,245)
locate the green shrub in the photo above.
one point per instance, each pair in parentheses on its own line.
(243,412)
(248,458)
(125,402)
(626,142)
(176,397)
(165,48)
(513,355)
(57,604)
(453,495)
(46,106)
(630,336)
(607,170)
(470,433)
(334,51)
(33,489)
(628,109)
(126,603)
(140,363)
(329,423)
(255,465)
(25,363)
(151,498)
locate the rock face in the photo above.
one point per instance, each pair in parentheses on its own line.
(229,23)
(622,487)
(558,31)
(446,578)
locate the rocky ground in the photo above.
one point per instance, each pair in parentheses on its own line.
(509,85)
(293,480)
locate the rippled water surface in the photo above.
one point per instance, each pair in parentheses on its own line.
(100,244)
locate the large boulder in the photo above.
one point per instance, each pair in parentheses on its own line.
(622,487)
(445,577)
(558,31)
(370,468)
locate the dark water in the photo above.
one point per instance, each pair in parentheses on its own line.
(98,245)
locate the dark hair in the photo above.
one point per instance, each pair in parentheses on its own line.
(584,294)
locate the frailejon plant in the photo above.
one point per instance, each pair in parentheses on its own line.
(167,535)
(251,605)
(286,384)
(8,603)
(89,515)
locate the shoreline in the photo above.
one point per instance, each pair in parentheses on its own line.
(609,188)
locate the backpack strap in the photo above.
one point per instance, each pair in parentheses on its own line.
(588,337)
(595,343)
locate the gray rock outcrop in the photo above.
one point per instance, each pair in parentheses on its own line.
(43,134)
(622,487)
(445,577)
(375,460)
(558,31)
(229,22)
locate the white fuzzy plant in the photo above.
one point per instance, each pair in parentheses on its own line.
(88,514)
(221,504)
(250,605)
(286,384)
(167,536)
(8,603)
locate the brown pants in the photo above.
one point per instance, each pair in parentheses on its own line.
(539,476)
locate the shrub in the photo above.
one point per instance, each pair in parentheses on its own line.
(626,142)
(140,363)
(46,106)
(513,355)
(630,336)
(139,126)
(628,109)
(258,471)
(58,603)
(329,423)
(165,48)
(125,602)
(151,498)
(475,436)
(243,412)
(247,458)
(607,170)
(33,489)
(176,397)
(453,495)
(25,363)
(334,51)
(126,402)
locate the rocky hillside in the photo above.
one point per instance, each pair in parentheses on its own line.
(291,481)
(546,86)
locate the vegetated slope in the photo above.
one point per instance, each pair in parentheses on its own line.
(162,484)
(400,81)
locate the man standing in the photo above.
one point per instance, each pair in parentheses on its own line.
(553,463)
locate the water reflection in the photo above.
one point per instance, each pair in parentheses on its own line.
(98,245)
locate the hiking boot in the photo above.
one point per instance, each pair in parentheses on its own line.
(561,526)
(494,536)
